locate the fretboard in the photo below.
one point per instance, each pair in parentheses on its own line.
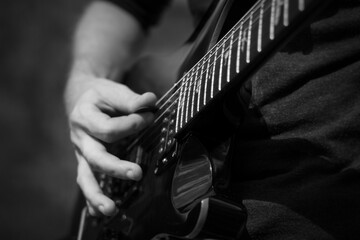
(252,38)
(245,42)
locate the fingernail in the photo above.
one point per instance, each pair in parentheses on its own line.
(132,175)
(102,209)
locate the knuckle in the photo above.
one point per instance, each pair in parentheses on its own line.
(74,116)
(96,167)
(92,94)
(73,137)
(106,133)
(137,124)
(92,212)
(101,165)
(79,180)
(79,115)
(76,140)
(91,157)
(134,126)
(112,173)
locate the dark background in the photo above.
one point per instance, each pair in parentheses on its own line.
(37,166)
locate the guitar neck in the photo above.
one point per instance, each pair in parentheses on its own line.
(248,44)
(177,195)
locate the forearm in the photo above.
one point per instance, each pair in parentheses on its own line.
(106,42)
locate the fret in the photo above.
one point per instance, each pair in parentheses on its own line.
(227,55)
(266,17)
(245,44)
(256,33)
(183,99)
(213,74)
(208,69)
(200,85)
(180,104)
(188,94)
(194,89)
(238,48)
(248,41)
(217,78)
(177,100)
(223,62)
(231,55)
(221,65)
(301,5)
(278,5)
(183,95)
(259,42)
(272,20)
(281,12)
(286,13)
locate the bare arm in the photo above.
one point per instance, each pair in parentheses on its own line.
(106,42)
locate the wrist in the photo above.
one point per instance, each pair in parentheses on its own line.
(85,67)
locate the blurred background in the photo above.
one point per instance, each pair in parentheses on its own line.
(37,165)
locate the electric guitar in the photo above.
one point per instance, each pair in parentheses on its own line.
(185,155)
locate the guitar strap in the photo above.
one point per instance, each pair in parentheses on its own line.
(203,20)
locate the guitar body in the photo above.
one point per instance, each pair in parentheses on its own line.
(179,200)
(186,154)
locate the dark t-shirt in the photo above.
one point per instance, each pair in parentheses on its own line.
(299,175)
(147,12)
(307,157)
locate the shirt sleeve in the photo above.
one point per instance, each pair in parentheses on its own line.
(147,12)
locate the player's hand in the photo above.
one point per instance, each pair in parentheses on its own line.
(105,113)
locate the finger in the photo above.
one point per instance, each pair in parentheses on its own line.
(111,95)
(106,128)
(100,160)
(97,201)
(142,102)
(92,210)
(123,126)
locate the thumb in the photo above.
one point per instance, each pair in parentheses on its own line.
(144,103)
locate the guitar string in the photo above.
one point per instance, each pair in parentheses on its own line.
(162,112)
(189,79)
(150,130)
(218,45)
(221,43)
(191,72)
